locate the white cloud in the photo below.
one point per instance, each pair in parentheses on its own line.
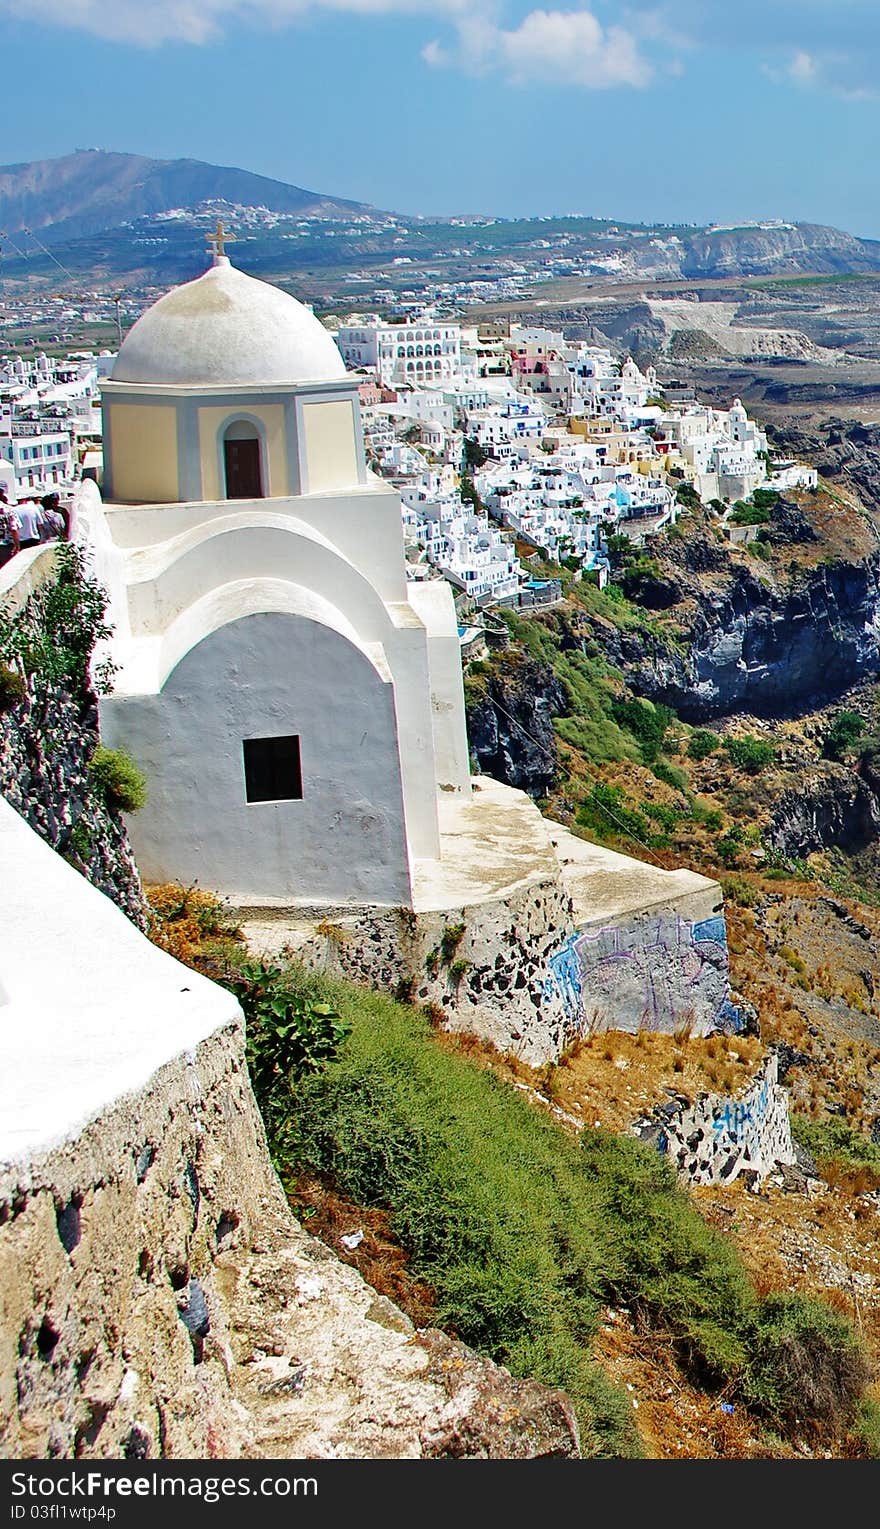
(572,47)
(148,23)
(557,47)
(802,68)
(562,47)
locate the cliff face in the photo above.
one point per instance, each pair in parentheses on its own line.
(834,807)
(768,650)
(510,725)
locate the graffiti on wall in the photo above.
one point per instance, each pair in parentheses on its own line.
(716,1139)
(656,973)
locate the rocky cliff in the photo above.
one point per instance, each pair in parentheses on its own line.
(510,724)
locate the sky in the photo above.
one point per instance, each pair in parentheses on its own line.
(693,111)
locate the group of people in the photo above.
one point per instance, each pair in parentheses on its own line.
(29,522)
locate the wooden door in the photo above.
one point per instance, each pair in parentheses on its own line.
(244,477)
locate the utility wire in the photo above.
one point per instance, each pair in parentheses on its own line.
(548,753)
(23,253)
(68,274)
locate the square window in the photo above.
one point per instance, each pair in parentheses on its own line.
(272,770)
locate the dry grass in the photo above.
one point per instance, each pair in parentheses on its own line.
(378,1257)
(614,1076)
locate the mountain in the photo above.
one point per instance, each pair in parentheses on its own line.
(92,190)
(776,249)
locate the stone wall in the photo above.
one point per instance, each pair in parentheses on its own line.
(157,1298)
(716,1139)
(46,741)
(524,971)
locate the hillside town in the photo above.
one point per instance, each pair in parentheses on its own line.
(507,443)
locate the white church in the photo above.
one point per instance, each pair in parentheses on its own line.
(296,705)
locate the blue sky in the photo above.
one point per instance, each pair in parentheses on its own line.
(680,110)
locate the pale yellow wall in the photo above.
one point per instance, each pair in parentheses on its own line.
(330,446)
(143,448)
(271,416)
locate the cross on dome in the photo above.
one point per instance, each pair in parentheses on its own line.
(216,241)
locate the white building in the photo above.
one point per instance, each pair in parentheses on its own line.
(296,705)
(423,350)
(38,447)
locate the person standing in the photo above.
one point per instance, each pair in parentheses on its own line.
(9,537)
(29,515)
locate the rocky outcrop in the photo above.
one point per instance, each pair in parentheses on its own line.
(774,248)
(157,1300)
(510,724)
(46,741)
(828,809)
(841,449)
(767,649)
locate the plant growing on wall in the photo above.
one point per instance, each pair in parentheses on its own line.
(12,688)
(115,773)
(54,635)
(290,1035)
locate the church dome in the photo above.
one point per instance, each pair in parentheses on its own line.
(227,328)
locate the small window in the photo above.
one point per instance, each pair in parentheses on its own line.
(272,770)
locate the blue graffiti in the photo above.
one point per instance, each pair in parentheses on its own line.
(565,978)
(737,1118)
(711,929)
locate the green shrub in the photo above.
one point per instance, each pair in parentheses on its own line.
(55,634)
(115,773)
(750,754)
(687,495)
(524,1231)
(702,743)
(450,940)
(835,1140)
(12,688)
(744,514)
(805,1364)
(647,723)
(843,734)
(737,890)
(607,813)
(290,1034)
(672,775)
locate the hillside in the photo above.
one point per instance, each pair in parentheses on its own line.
(92,190)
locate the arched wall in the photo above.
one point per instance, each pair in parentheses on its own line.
(236,548)
(269,675)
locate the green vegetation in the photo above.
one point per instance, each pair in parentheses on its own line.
(672,775)
(290,1034)
(605,813)
(115,773)
(54,635)
(750,754)
(646,722)
(744,514)
(687,495)
(702,743)
(843,734)
(524,1231)
(450,940)
(12,688)
(834,1142)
